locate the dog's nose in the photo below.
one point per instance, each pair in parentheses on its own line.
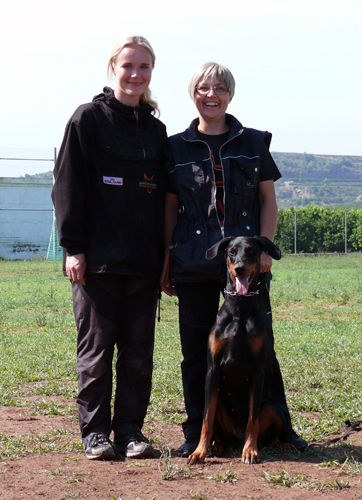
(239,268)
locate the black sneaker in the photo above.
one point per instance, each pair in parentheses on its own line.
(98,446)
(133,445)
(291,437)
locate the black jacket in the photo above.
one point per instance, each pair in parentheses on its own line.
(110,185)
(192,175)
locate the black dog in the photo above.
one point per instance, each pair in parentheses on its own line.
(238,407)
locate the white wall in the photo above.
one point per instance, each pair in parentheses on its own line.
(26,217)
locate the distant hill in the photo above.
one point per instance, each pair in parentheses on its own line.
(44,175)
(320,179)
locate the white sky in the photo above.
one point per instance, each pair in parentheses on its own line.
(297,65)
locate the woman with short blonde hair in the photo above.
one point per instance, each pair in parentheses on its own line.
(223,176)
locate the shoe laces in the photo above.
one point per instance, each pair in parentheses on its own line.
(136,435)
(98,438)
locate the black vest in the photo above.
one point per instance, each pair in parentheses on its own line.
(192,174)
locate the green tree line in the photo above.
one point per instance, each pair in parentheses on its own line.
(319,229)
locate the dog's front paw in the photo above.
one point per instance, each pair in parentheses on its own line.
(198,456)
(250,455)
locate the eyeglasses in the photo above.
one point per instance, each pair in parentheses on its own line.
(218,89)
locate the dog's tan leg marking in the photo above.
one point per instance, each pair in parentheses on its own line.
(250,451)
(206,433)
(216,344)
(270,426)
(256,343)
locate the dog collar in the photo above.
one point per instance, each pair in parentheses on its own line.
(235,294)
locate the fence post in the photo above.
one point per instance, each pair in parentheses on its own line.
(345,232)
(295,232)
(52,236)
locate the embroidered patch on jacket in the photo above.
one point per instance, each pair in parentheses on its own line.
(148,183)
(116,181)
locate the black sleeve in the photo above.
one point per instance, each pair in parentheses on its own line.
(171,178)
(169,185)
(269,170)
(70,185)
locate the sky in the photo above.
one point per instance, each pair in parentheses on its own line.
(297,66)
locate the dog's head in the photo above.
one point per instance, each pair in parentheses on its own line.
(243,259)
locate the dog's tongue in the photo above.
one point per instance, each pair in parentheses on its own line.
(242,285)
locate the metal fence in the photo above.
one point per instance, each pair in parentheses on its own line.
(24,231)
(315,229)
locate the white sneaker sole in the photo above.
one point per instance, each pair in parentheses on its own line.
(105,455)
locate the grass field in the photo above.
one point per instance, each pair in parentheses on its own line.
(317,306)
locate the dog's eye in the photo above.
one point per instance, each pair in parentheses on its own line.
(232,252)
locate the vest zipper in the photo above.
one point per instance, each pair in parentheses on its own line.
(213,193)
(223,176)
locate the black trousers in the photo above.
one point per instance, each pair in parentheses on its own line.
(198,307)
(114,310)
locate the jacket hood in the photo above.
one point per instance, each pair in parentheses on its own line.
(107,96)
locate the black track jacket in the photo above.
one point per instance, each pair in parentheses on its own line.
(109,187)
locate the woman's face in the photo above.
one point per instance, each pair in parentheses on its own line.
(211,107)
(133,71)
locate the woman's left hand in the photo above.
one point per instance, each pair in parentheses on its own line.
(168,289)
(75,266)
(265,263)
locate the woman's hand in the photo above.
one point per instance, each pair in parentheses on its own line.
(268,219)
(265,263)
(75,266)
(168,289)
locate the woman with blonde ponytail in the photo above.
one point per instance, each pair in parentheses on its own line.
(146,97)
(108,196)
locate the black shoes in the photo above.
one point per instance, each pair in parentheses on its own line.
(133,445)
(291,437)
(187,448)
(98,446)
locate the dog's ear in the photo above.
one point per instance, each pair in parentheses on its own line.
(220,245)
(269,246)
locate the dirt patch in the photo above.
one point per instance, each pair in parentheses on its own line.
(63,475)
(15,421)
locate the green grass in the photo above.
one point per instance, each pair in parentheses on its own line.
(282,478)
(227,477)
(317,306)
(15,446)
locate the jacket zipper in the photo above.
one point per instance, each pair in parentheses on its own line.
(137,134)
